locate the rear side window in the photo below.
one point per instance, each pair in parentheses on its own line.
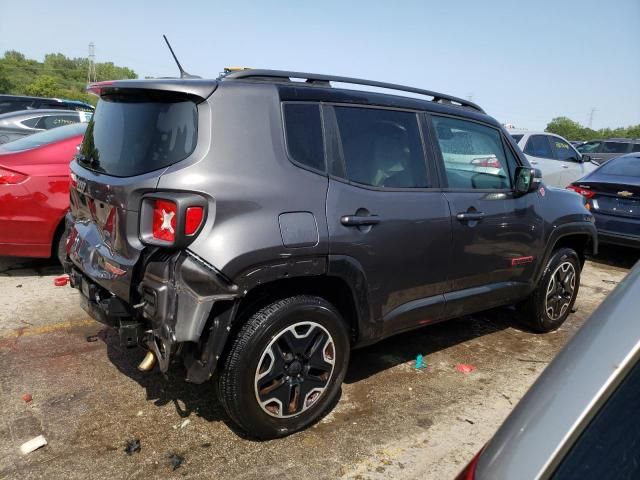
(615,147)
(381,148)
(473,154)
(53,121)
(303,130)
(589,147)
(562,150)
(132,135)
(517,138)
(31,122)
(636,148)
(609,448)
(538,146)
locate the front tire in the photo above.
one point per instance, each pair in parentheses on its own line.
(551,302)
(285,367)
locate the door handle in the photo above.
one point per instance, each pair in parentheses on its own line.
(467,216)
(359,221)
(565,166)
(533,162)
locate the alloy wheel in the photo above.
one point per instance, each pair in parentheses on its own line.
(560,289)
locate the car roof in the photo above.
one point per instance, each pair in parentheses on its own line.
(36,112)
(516,131)
(559,405)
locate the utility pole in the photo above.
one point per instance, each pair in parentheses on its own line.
(593,111)
(91,73)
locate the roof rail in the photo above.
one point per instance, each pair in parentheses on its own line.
(312,78)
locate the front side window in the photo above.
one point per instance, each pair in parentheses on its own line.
(562,150)
(381,148)
(615,147)
(303,130)
(473,154)
(589,147)
(538,146)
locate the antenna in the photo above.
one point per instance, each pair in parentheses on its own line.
(593,111)
(183,74)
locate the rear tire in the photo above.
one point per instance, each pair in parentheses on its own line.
(551,302)
(285,367)
(60,247)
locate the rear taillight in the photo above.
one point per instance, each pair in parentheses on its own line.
(11,177)
(491,162)
(164,220)
(73,180)
(193,219)
(171,219)
(586,193)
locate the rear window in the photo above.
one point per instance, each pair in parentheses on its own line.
(615,147)
(624,166)
(303,128)
(130,135)
(44,138)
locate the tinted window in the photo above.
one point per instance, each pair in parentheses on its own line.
(636,148)
(538,146)
(625,166)
(382,148)
(615,147)
(517,138)
(31,122)
(473,154)
(44,138)
(609,448)
(589,147)
(562,150)
(303,129)
(133,135)
(53,121)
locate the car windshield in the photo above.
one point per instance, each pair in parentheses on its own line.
(623,166)
(44,138)
(131,135)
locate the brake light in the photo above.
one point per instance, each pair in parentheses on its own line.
(193,219)
(73,180)
(11,177)
(491,162)
(586,193)
(96,88)
(164,220)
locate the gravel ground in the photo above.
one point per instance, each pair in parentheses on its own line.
(391,421)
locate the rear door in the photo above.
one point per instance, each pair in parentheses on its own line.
(540,155)
(497,236)
(128,143)
(384,215)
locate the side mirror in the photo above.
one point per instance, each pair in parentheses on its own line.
(527,180)
(585,158)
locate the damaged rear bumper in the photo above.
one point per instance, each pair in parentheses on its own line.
(183,306)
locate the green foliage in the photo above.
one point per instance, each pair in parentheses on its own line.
(572,130)
(57,76)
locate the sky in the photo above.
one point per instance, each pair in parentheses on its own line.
(524,62)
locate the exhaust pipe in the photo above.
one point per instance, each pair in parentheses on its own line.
(148,362)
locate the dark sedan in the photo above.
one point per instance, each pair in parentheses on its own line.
(612,193)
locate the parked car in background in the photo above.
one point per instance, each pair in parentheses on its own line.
(558,160)
(345,220)
(13,103)
(19,124)
(602,150)
(579,420)
(577,143)
(612,193)
(34,191)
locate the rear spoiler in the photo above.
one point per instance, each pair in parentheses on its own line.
(201,88)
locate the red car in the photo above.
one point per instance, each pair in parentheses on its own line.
(34,191)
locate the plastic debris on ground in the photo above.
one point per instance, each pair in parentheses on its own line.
(420,363)
(185,423)
(27,397)
(176,460)
(132,446)
(33,444)
(61,281)
(465,368)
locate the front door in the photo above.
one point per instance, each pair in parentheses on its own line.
(383,215)
(497,236)
(539,153)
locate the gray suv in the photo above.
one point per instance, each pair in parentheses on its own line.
(262,225)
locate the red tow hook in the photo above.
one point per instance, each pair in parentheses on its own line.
(61,281)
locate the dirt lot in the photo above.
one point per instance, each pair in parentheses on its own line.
(392,420)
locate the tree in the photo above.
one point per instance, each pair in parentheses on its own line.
(572,130)
(565,127)
(43,86)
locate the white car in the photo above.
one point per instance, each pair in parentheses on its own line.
(558,160)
